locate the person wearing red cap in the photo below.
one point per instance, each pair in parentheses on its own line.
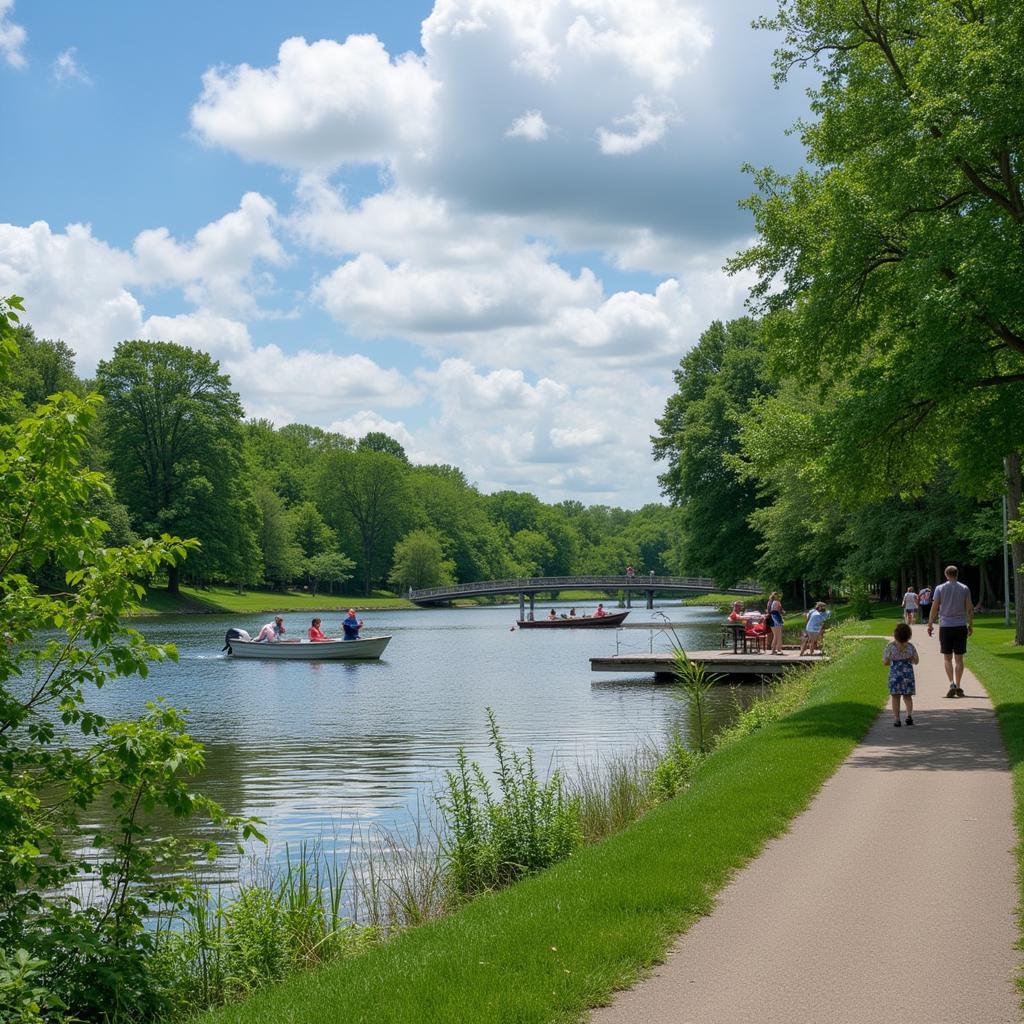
(351,625)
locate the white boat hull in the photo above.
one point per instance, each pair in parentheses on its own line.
(305,650)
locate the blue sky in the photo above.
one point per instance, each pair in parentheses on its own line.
(488,227)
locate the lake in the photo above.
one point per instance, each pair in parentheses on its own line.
(317,748)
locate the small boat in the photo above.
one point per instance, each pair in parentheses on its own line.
(364,648)
(577,622)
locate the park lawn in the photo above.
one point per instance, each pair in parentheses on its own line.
(227,600)
(999,665)
(550,947)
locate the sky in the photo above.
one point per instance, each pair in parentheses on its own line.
(488,228)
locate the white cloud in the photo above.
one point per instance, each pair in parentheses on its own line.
(530,126)
(66,67)
(216,267)
(643,127)
(524,289)
(12,37)
(366,421)
(322,104)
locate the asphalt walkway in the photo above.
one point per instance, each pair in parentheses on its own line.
(890,900)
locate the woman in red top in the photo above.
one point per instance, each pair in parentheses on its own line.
(316,633)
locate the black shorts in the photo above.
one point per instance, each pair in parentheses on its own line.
(953,639)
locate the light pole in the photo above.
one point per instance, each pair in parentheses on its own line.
(1006,567)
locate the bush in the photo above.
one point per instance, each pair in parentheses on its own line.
(491,842)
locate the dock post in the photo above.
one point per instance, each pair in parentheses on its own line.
(532,597)
(522,607)
(650,599)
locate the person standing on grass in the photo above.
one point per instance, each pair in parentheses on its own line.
(910,605)
(952,606)
(901,657)
(815,626)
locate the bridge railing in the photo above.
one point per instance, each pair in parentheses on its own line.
(544,583)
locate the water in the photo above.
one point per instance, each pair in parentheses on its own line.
(315,748)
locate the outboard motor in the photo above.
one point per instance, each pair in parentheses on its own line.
(234,634)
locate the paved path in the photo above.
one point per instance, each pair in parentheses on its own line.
(890,900)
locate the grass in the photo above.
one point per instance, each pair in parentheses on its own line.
(562,941)
(227,600)
(999,665)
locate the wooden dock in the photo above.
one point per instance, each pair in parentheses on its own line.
(722,662)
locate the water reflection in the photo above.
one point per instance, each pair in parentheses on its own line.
(314,748)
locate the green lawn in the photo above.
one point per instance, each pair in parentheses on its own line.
(550,947)
(228,600)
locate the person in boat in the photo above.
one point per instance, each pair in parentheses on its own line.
(600,613)
(316,634)
(552,616)
(272,632)
(572,613)
(351,625)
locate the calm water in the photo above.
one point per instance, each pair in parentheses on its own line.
(313,748)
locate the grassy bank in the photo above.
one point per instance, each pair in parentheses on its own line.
(564,940)
(227,600)
(999,665)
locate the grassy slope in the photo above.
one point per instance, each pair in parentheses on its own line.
(228,600)
(999,665)
(552,946)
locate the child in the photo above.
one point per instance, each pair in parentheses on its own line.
(815,627)
(901,657)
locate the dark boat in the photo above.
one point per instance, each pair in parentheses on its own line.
(579,622)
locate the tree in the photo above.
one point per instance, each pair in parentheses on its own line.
(716,383)
(531,551)
(59,756)
(172,424)
(365,492)
(376,441)
(894,264)
(330,567)
(283,558)
(420,562)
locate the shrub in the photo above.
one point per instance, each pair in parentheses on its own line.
(490,842)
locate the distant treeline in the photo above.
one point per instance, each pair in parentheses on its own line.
(300,506)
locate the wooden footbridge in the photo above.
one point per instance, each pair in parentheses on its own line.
(642,585)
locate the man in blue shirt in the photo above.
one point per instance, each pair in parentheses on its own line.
(952,606)
(351,625)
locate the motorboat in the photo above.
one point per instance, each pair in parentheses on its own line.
(575,621)
(365,649)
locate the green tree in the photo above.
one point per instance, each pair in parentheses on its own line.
(283,558)
(376,441)
(420,562)
(894,263)
(173,430)
(330,567)
(365,494)
(716,383)
(59,757)
(531,551)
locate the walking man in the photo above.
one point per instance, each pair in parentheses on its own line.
(952,606)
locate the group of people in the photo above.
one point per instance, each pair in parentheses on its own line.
(274,632)
(951,607)
(769,624)
(916,603)
(600,613)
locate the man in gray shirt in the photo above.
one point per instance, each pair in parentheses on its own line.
(952,606)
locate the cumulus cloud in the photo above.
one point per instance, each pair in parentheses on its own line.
(530,126)
(642,127)
(322,104)
(66,68)
(524,289)
(216,267)
(12,37)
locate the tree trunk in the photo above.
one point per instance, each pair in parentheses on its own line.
(174,580)
(1014,494)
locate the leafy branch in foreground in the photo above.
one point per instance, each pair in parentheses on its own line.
(73,913)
